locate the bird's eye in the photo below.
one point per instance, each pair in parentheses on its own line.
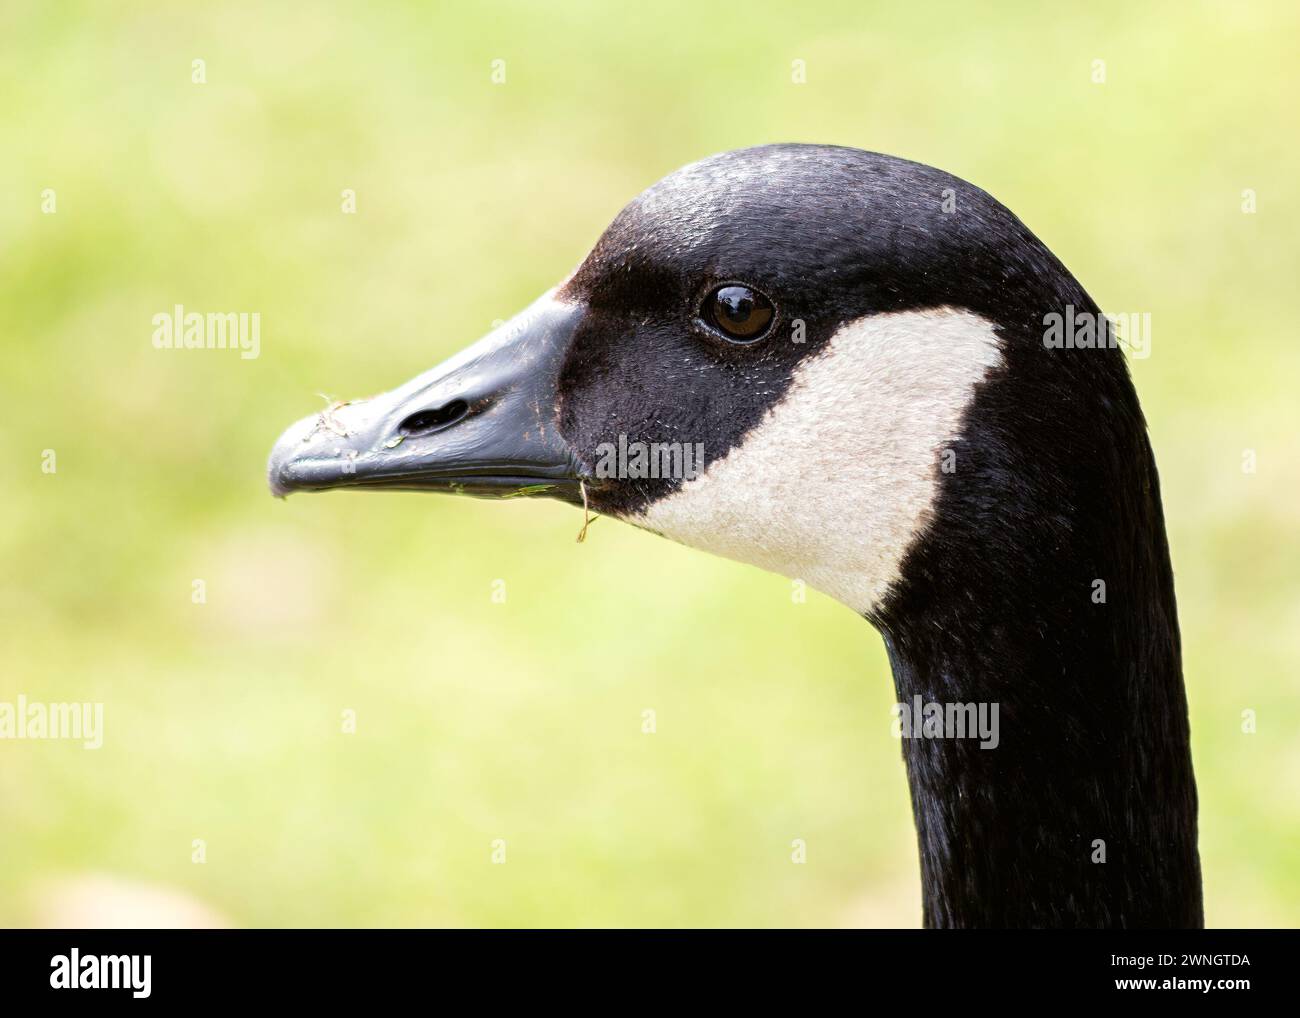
(740,313)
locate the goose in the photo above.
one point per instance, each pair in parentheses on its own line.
(858,345)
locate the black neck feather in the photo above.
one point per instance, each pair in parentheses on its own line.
(1055,489)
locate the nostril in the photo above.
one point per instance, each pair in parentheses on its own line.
(425,422)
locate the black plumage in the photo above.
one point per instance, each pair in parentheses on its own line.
(1085,814)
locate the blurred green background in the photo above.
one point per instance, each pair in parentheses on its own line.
(522,721)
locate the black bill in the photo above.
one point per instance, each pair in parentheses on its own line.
(484,423)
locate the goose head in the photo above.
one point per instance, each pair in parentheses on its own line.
(765,355)
(831,364)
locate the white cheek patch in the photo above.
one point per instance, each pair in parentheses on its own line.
(838,479)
